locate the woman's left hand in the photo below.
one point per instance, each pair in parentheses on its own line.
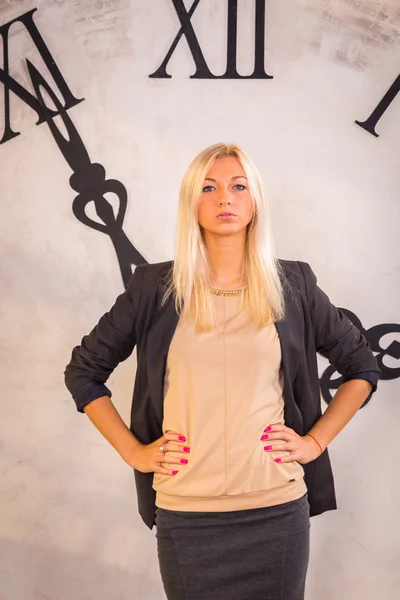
(303,449)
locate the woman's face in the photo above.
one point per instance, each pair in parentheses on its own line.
(226,206)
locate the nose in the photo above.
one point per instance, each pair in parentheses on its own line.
(224,198)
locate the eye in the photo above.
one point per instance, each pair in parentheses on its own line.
(208,188)
(240,187)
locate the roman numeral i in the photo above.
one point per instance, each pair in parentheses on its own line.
(370,124)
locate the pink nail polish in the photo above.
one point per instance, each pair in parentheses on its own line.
(267,429)
(182,438)
(264,437)
(277,459)
(175,472)
(184,461)
(267,447)
(185,449)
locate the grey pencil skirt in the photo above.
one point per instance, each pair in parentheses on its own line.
(257,554)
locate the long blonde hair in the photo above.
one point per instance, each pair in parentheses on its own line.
(190,281)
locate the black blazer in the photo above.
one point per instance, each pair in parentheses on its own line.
(312,324)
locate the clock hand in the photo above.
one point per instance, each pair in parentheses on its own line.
(89,180)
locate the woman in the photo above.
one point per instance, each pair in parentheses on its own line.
(227,439)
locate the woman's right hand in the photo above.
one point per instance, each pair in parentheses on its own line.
(148,458)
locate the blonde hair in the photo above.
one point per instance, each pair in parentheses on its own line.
(190,281)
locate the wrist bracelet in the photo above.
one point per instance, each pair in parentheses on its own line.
(316,441)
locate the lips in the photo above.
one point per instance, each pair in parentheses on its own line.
(226,214)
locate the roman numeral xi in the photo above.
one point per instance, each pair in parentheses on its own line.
(11,85)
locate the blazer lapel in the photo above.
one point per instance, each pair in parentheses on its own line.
(289,334)
(159,339)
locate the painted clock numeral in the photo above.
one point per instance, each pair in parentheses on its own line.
(202,69)
(370,124)
(11,85)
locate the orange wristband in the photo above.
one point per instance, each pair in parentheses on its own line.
(316,441)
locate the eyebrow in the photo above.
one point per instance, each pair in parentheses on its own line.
(236,177)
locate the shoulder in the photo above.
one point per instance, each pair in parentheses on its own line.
(298,276)
(148,275)
(156,270)
(289,267)
(298,269)
(294,267)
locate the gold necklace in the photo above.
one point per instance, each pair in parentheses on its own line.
(226,292)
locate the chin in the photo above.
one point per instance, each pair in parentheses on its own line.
(227,229)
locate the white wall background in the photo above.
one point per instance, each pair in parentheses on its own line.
(68,521)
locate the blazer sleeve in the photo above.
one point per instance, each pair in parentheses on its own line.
(110,342)
(336,338)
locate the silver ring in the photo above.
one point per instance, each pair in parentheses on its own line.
(162,449)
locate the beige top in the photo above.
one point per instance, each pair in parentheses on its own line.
(222,389)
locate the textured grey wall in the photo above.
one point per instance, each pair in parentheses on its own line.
(68,521)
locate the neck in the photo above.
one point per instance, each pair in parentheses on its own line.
(226,258)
